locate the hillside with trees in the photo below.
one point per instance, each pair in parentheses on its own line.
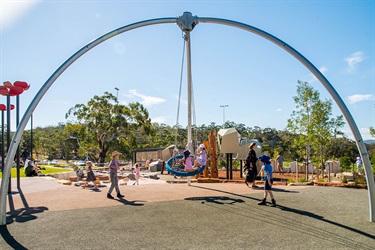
(102,125)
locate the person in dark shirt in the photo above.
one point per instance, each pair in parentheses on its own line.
(30,169)
(251,166)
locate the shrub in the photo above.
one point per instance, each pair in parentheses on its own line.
(290,181)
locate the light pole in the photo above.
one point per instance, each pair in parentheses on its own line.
(224,106)
(117,89)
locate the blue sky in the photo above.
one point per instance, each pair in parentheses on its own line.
(230,66)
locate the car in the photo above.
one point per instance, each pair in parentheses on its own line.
(55,162)
(80,163)
(45,161)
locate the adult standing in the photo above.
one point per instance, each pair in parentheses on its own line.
(251,166)
(25,155)
(280,163)
(113,168)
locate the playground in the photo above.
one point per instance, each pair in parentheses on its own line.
(48,215)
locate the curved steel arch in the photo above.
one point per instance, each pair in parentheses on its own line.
(17,136)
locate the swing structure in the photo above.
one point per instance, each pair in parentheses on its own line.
(187,24)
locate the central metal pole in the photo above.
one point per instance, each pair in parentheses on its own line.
(188,61)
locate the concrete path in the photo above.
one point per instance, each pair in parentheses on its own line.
(156,215)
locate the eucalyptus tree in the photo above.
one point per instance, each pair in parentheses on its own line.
(311,121)
(372,131)
(112,125)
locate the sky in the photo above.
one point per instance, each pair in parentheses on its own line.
(254,77)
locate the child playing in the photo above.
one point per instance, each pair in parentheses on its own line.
(90,175)
(201,158)
(137,172)
(78,171)
(268,180)
(187,161)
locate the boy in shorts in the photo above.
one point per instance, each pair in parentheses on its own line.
(268,180)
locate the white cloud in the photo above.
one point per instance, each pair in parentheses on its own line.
(359,98)
(160,119)
(353,60)
(279,110)
(145,100)
(11,11)
(365,133)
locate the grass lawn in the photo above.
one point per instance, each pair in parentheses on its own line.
(45,170)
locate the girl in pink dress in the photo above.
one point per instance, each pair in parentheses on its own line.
(187,161)
(137,172)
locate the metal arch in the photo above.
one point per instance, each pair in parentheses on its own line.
(358,138)
(34,103)
(89,46)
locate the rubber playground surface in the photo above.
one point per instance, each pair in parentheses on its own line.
(44,214)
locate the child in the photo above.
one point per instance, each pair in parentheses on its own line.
(201,158)
(90,175)
(137,173)
(78,171)
(268,180)
(113,167)
(187,161)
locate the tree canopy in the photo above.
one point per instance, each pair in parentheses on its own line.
(109,124)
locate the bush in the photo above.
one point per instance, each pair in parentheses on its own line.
(290,181)
(345,163)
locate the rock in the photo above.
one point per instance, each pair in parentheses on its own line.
(64,182)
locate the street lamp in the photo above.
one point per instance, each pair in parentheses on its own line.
(117,89)
(224,106)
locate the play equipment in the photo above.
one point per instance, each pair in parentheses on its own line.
(187,24)
(190,22)
(172,162)
(228,141)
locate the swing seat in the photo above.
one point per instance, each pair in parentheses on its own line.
(178,172)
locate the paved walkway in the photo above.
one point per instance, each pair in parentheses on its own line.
(157,215)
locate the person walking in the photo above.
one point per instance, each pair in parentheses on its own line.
(251,166)
(113,167)
(90,175)
(280,162)
(268,180)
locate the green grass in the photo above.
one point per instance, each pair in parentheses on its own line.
(45,170)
